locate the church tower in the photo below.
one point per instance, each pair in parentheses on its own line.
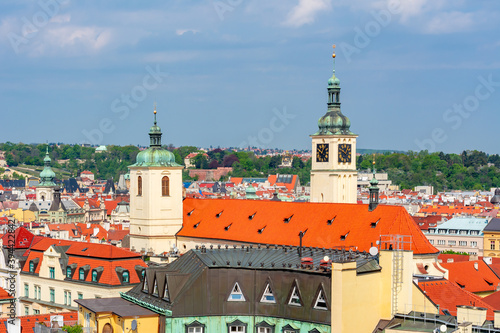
(333,173)
(45,189)
(155,197)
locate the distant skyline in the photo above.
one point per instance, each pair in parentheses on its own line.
(414,75)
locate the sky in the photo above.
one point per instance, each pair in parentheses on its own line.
(420,74)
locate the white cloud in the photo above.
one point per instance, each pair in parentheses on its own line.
(180,32)
(61,18)
(305,11)
(450,22)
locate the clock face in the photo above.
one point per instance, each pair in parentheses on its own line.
(345,153)
(322,152)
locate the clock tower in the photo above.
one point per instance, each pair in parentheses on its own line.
(333,173)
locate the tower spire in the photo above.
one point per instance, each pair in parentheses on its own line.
(155,133)
(373,189)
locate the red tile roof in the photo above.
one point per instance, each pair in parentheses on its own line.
(4,295)
(448,296)
(28,322)
(468,277)
(110,205)
(109,275)
(270,222)
(455,257)
(493,300)
(117,235)
(22,238)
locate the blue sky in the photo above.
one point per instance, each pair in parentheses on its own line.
(420,74)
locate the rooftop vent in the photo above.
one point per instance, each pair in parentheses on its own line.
(227,228)
(261,230)
(196,225)
(191,212)
(329,222)
(287,219)
(252,216)
(374,224)
(343,237)
(219,214)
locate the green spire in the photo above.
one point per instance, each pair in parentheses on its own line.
(155,134)
(47,176)
(373,203)
(334,122)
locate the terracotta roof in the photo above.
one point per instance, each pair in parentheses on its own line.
(429,221)
(28,322)
(236,180)
(109,274)
(468,277)
(23,238)
(4,295)
(111,205)
(104,251)
(455,257)
(448,296)
(328,225)
(493,300)
(117,235)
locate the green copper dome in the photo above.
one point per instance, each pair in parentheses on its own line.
(47,176)
(334,122)
(155,155)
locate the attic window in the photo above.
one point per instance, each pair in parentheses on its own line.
(261,230)
(268,296)
(374,224)
(343,237)
(251,216)
(166,295)
(85,249)
(236,294)
(329,222)
(321,301)
(219,214)
(287,219)
(227,228)
(488,282)
(191,212)
(196,225)
(461,286)
(295,297)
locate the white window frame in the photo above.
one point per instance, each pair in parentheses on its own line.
(236,295)
(295,295)
(268,293)
(321,297)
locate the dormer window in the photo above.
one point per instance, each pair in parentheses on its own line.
(125,277)
(81,274)
(94,275)
(236,294)
(32,267)
(68,272)
(268,296)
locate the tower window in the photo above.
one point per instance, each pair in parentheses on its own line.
(165,186)
(139,186)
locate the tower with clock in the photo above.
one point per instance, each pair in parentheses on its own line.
(333,173)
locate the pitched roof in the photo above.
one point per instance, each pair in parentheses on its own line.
(474,276)
(273,222)
(449,295)
(28,322)
(4,295)
(22,238)
(494,225)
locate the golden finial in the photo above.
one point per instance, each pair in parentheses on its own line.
(333,55)
(155,108)
(374,159)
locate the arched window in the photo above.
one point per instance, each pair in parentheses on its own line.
(94,276)
(68,272)
(81,273)
(165,186)
(125,277)
(139,185)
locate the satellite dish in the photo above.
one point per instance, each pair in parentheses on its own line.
(373,251)
(326,258)
(442,328)
(134,325)
(377,242)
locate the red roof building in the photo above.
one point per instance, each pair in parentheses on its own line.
(474,276)
(324,224)
(448,295)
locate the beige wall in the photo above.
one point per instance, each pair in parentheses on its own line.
(478,250)
(155,219)
(333,181)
